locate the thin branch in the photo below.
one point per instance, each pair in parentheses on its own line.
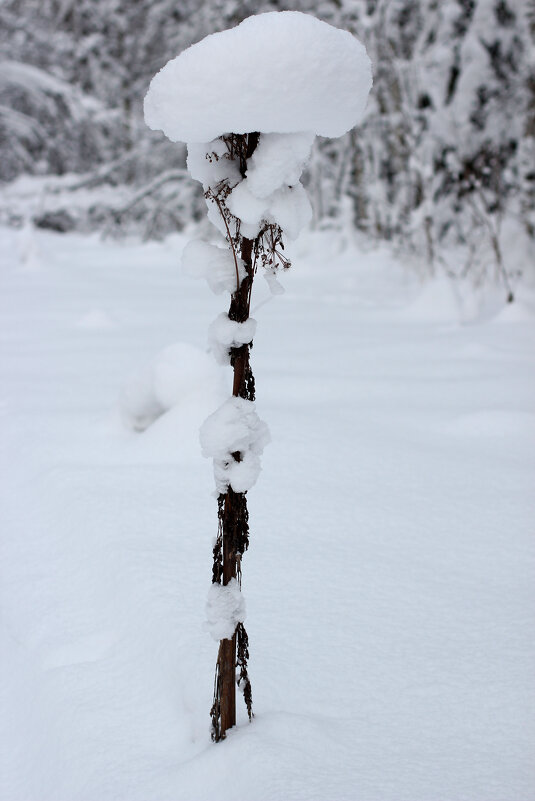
(231,241)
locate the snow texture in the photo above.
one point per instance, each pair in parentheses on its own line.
(139,406)
(177,374)
(243,204)
(208,163)
(289,207)
(224,334)
(277,160)
(275,287)
(215,264)
(278,72)
(225,608)
(234,428)
(392,540)
(269,193)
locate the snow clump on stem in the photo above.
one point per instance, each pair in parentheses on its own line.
(225,608)
(235,437)
(224,334)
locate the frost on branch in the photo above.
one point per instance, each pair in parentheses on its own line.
(225,608)
(234,436)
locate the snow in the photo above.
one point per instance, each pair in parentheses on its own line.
(437,300)
(182,369)
(275,287)
(138,402)
(225,608)
(389,578)
(95,319)
(279,159)
(224,334)
(208,164)
(234,428)
(289,207)
(247,208)
(270,193)
(177,375)
(217,265)
(278,72)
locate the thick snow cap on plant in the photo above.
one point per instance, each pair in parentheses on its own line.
(278,72)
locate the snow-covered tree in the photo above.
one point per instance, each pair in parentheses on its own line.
(46,124)
(250,118)
(442,160)
(442,165)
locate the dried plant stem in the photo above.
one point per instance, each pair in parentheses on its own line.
(233,537)
(218,202)
(233,533)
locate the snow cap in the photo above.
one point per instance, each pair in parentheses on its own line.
(278,72)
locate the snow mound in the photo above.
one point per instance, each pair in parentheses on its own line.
(225,608)
(278,72)
(178,372)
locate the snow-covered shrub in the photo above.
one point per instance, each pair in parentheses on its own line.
(176,374)
(443,163)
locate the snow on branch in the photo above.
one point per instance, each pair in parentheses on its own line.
(224,334)
(234,436)
(225,608)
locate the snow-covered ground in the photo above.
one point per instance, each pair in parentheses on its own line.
(389,582)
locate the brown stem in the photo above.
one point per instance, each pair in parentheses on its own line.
(233,506)
(230,240)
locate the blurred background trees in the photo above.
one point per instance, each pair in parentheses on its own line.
(443,166)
